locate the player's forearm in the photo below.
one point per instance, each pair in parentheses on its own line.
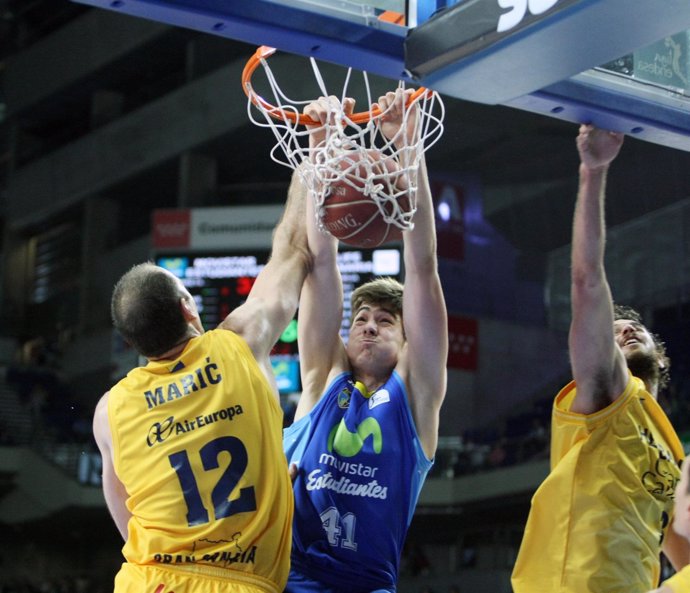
(420,242)
(322,291)
(321,302)
(589,232)
(278,286)
(290,234)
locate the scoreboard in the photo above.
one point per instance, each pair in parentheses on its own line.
(219,282)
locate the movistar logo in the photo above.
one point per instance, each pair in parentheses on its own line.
(348,444)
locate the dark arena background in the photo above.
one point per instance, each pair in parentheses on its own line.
(124,136)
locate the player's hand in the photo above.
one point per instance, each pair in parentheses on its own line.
(598,147)
(292,471)
(326,111)
(393,106)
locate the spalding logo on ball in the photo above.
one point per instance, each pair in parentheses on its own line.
(350,213)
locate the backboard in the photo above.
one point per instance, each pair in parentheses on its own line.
(621,64)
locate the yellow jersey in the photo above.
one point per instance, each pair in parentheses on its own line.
(197,443)
(598,520)
(679,582)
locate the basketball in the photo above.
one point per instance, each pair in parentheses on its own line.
(352,216)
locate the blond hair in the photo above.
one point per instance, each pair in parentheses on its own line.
(385,291)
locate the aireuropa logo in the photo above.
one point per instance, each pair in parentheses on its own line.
(161,431)
(171,228)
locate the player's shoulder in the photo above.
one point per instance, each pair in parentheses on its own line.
(102,404)
(100,425)
(223,332)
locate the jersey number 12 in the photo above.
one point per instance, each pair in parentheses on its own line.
(223,507)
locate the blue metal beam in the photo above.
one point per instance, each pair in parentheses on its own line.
(615,102)
(346,38)
(538,50)
(536,62)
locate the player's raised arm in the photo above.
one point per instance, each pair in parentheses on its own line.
(598,365)
(322,352)
(425,318)
(273,299)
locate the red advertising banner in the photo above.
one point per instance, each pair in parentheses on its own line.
(463,343)
(171,228)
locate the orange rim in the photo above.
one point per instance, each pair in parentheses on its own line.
(265,52)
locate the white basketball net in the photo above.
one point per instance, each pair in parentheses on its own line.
(346,153)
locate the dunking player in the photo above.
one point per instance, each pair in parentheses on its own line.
(194,473)
(366,424)
(600,519)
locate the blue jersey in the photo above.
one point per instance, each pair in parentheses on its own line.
(361,468)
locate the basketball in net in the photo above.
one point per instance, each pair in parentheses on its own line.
(362,201)
(364,183)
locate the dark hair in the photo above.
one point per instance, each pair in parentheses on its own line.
(381,291)
(625,312)
(145,310)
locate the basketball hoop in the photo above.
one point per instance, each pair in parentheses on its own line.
(264,52)
(356,136)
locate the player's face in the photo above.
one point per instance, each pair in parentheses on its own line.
(681,514)
(633,338)
(376,335)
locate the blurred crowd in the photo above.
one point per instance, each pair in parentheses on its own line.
(64,584)
(55,414)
